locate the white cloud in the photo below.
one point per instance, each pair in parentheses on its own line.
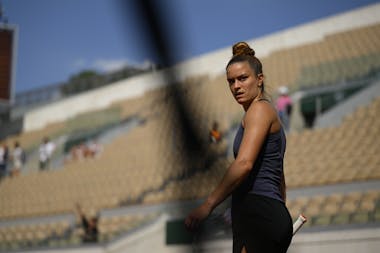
(109,65)
(146,64)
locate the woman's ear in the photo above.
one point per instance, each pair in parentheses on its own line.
(260,77)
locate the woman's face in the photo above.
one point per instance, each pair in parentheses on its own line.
(244,83)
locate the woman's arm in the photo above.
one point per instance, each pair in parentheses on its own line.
(257,124)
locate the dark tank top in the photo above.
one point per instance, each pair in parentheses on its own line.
(265,176)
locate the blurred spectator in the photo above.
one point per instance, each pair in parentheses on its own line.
(90,150)
(89,224)
(215,135)
(215,148)
(284,106)
(76,153)
(94,148)
(46,151)
(4,152)
(18,159)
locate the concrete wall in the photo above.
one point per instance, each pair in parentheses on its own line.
(92,100)
(211,64)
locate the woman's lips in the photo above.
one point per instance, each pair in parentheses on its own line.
(238,95)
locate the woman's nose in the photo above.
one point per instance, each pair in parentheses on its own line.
(236,85)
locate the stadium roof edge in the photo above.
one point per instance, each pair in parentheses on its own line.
(213,63)
(318,29)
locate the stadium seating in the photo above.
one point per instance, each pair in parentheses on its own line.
(352,52)
(121,176)
(61,234)
(337,208)
(334,155)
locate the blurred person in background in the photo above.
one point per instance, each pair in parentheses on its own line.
(4,154)
(95,148)
(215,134)
(260,219)
(89,224)
(18,159)
(46,151)
(284,106)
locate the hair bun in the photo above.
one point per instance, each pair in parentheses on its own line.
(242,48)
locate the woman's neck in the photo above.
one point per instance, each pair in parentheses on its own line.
(258,98)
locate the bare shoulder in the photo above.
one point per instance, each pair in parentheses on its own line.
(261,113)
(259,110)
(262,108)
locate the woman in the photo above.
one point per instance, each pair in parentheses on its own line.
(260,219)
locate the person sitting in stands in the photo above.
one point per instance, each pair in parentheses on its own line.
(90,226)
(215,134)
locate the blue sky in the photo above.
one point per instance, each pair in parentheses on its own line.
(59,38)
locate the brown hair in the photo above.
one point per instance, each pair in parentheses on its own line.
(242,52)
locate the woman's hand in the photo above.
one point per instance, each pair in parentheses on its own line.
(193,220)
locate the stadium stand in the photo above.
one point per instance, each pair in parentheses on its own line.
(120,177)
(337,57)
(338,209)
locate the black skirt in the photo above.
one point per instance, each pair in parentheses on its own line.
(260,224)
